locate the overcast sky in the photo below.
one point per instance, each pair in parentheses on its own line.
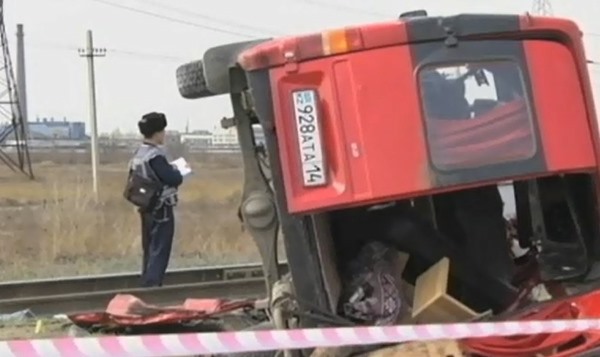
(145,46)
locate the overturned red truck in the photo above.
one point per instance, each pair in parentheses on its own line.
(403,133)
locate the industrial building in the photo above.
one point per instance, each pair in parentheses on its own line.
(50,129)
(47,133)
(200,140)
(219,140)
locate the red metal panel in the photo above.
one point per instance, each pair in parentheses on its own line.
(372,128)
(562,344)
(372,124)
(128,310)
(274,53)
(571,36)
(560,106)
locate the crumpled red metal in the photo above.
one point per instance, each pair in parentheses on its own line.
(565,344)
(128,310)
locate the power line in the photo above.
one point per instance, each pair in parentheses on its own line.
(344,8)
(145,55)
(173,19)
(257,29)
(211,28)
(51,46)
(114,51)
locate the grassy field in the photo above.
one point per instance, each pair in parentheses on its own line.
(53,226)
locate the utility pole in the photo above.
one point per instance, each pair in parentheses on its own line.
(90,53)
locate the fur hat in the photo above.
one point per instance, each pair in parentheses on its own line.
(152,123)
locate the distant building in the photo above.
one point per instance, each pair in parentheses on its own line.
(226,138)
(197,140)
(220,140)
(49,129)
(46,133)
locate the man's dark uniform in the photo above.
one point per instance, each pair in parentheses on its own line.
(158,225)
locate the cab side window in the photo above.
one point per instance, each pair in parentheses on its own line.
(476,114)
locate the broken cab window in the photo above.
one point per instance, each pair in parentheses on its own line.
(476,114)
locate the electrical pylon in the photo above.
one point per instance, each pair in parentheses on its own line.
(13,137)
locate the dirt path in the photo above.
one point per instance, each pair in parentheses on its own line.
(28,329)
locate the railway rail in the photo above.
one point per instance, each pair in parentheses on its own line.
(92,293)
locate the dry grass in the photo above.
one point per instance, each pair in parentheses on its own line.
(53,226)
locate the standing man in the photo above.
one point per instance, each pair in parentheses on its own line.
(158,221)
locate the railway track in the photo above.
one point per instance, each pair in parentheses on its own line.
(92,293)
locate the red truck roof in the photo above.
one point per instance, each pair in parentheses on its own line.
(284,50)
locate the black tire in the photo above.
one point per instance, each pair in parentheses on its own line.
(191,81)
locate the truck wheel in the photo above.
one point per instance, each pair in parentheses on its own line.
(191,81)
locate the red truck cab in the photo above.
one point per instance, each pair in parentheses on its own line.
(430,115)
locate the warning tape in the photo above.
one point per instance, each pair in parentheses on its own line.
(255,341)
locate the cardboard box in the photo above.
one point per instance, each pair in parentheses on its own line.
(433,304)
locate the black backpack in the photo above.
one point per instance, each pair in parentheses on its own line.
(142,192)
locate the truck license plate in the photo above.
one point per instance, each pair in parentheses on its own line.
(309,137)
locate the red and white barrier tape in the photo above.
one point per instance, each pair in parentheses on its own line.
(233,342)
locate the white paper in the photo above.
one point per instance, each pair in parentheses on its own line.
(183,166)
